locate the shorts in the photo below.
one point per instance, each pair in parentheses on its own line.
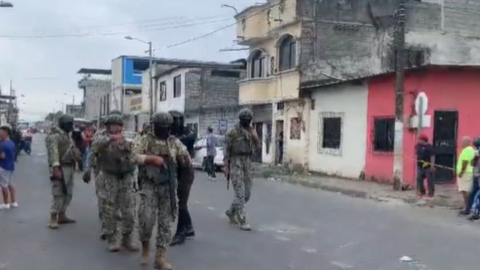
(465,183)
(6,178)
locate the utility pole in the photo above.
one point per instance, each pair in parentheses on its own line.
(399,39)
(150,79)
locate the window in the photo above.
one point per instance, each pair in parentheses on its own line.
(226,73)
(280,106)
(163,91)
(295,128)
(383,134)
(140,66)
(107,101)
(177,86)
(287,53)
(332,132)
(257,65)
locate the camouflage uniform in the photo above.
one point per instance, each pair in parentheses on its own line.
(158,200)
(114,183)
(61,153)
(240,145)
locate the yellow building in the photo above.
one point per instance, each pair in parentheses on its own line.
(271,88)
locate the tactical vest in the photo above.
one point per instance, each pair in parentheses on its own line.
(164,175)
(115,158)
(241,144)
(67,152)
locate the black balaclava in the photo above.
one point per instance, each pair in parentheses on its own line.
(66,126)
(245,122)
(161,131)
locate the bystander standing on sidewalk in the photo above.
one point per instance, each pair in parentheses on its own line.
(474,198)
(425,167)
(87,140)
(465,172)
(7,166)
(211,153)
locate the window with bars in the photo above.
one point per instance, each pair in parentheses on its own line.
(163,91)
(257,65)
(287,53)
(177,86)
(383,134)
(332,132)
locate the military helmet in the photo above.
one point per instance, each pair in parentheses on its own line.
(476,142)
(117,112)
(176,114)
(65,118)
(162,118)
(114,119)
(245,113)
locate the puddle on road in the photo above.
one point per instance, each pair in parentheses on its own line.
(285,229)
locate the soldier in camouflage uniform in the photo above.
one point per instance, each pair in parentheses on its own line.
(158,186)
(96,170)
(62,156)
(116,163)
(240,145)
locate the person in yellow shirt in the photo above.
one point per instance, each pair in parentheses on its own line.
(465,171)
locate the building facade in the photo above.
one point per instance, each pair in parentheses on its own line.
(96,85)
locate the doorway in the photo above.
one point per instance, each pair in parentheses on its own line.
(259,130)
(445,126)
(279,137)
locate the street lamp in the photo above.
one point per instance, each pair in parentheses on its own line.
(6,4)
(150,58)
(232,7)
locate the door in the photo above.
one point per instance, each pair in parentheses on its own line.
(279,142)
(259,130)
(445,144)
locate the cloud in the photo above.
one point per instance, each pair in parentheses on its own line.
(43,69)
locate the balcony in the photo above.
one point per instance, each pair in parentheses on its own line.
(259,22)
(282,86)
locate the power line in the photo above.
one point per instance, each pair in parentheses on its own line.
(223,28)
(154,29)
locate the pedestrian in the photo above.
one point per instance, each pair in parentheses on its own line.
(211,146)
(115,183)
(62,157)
(158,200)
(87,141)
(17,141)
(78,140)
(93,166)
(425,167)
(7,166)
(280,147)
(465,171)
(241,144)
(185,180)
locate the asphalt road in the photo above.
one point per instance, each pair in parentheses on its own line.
(294,228)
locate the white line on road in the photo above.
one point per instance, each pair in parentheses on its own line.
(341,265)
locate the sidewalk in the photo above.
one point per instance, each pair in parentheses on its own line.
(446,195)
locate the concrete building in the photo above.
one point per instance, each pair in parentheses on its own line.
(297,46)
(76,111)
(206,92)
(96,85)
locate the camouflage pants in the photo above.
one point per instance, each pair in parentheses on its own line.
(99,206)
(155,205)
(61,200)
(116,195)
(241,175)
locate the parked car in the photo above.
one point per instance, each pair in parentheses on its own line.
(200,153)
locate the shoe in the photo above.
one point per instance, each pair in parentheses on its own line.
(231,216)
(160,261)
(14,204)
(145,253)
(127,243)
(63,219)
(103,236)
(4,206)
(464,213)
(189,231)
(53,224)
(112,243)
(178,239)
(243,224)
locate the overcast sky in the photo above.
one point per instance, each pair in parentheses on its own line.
(40,55)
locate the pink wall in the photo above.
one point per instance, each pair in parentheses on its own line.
(455,89)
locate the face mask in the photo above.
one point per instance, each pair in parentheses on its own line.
(67,127)
(245,122)
(161,132)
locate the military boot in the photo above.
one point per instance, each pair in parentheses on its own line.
(231,216)
(243,224)
(145,252)
(128,244)
(160,261)
(53,223)
(178,239)
(63,219)
(189,231)
(112,242)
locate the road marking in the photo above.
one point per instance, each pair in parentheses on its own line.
(309,250)
(211,208)
(341,265)
(281,238)
(346,245)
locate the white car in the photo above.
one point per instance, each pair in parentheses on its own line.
(200,153)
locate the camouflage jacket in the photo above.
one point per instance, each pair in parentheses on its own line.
(94,151)
(240,142)
(61,149)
